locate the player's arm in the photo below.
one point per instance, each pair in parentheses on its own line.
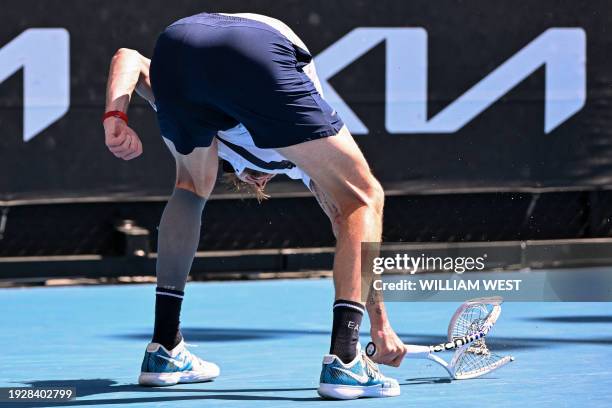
(383,335)
(143,86)
(129,72)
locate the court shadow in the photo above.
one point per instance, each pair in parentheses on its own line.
(500,343)
(101,386)
(427,380)
(215,334)
(571,319)
(207,391)
(439,380)
(231,334)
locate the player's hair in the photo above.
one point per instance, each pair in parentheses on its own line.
(231,179)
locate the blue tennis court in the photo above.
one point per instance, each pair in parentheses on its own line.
(269,337)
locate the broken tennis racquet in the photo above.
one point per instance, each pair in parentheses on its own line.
(466,335)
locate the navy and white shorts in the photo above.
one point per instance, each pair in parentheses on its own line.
(210,72)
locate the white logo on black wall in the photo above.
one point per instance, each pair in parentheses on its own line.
(561,50)
(44,55)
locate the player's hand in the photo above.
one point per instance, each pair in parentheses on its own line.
(122,141)
(390,349)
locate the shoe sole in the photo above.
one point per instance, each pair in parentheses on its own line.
(167,379)
(346,392)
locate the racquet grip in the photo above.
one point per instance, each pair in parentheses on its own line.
(370,349)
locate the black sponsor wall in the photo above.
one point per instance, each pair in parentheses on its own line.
(505,147)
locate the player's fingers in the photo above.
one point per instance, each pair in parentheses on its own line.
(124,148)
(129,156)
(383,358)
(136,151)
(137,148)
(128,143)
(140,149)
(397,361)
(120,152)
(388,359)
(115,140)
(393,357)
(129,148)
(119,149)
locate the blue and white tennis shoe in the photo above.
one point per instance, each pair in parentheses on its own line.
(161,367)
(359,378)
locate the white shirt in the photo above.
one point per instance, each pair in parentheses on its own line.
(240,137)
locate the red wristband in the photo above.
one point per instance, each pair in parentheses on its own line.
(116,114)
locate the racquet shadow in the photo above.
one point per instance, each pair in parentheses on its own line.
(439,380)
(427,380)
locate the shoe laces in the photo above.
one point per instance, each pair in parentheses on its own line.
(371,367)
(195,360)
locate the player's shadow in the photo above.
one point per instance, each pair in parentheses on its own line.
(231,334)
(217,334)
(100,386)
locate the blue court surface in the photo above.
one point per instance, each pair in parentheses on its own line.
(269,338)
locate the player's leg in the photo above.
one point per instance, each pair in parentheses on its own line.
(341,173)
(179,235)
(339,169)
(167,361)
(189,123)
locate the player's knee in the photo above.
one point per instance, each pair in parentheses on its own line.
(376,196)
(370,196)
(202,187)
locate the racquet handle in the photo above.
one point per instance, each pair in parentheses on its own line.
(436,348)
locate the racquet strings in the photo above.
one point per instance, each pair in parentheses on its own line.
(471,320)
(476,359)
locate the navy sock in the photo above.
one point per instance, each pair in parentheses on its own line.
(167,317)
(345,331)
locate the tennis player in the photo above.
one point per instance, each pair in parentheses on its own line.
(243,88)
